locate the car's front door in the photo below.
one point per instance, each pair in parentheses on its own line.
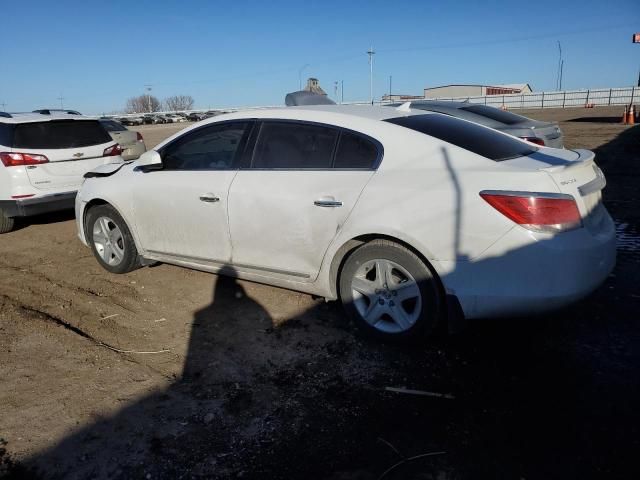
(181,210)
(287,207)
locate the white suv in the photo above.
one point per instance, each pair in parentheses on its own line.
(43,157)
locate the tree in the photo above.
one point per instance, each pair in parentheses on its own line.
(143,104)
(179,102)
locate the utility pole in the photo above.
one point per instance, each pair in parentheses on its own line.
(390,77)
(342,89)
(4,105)
(371,53)
(61,98)
(148,88)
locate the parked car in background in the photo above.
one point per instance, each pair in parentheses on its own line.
(174,118)
(407,217)
(547,134)
(43,158)
(49,111)
(131,121)
(132,143)
(196,116)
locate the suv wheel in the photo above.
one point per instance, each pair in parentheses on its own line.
(6,223)
(389,292)
(110,240)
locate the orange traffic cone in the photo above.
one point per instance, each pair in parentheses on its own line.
(632,115)
(624,116)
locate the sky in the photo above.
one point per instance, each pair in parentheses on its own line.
(95,55)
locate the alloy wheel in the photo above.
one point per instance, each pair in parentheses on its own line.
(386,296)
(108,241)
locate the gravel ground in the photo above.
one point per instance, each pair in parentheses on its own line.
(172,373)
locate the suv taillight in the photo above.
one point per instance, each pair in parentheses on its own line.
(536,140)
(139,137)
(539,212)
(112,151)
(15,159)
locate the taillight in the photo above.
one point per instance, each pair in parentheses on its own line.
(540,212)
(536,140)
(139,135)
(15,159)
(112,151)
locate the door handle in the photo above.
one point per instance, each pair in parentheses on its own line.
(209,197)
(327,202)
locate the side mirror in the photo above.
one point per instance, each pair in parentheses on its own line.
(149,158)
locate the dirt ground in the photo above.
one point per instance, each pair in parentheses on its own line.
(171,373)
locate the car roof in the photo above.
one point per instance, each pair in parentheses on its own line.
(435,103)
(371,112)
(40,117)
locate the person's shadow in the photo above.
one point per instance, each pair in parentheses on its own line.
(189,422)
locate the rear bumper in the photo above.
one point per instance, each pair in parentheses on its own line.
(524,273)
(28,207)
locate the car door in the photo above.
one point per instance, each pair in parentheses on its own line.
(181,210)
(303,181)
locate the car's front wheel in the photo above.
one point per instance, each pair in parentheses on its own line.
(110,240)
(389,292)
(6,223)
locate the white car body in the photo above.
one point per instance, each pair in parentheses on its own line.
(424,194)
(43,187)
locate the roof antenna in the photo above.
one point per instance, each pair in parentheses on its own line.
(405,107)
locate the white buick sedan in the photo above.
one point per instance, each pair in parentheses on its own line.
(407,217)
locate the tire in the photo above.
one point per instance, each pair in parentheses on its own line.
(114,249)
(389,292)
(6,223)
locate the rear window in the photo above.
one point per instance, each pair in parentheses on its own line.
(475,138)
(6,135)
(60,134)
(112,126)
(501,116)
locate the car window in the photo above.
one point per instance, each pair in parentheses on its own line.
(354,151)
(60,134)
(210,148)
(6,135)
(294,145)
(501,116)
(470,136)
(111,126)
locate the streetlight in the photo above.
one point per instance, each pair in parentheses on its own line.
(300,75)
(371,53)
(148,88)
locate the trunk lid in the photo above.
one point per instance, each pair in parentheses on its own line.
(575,173)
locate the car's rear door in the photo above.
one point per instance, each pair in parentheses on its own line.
(181,210)
(303,181)
(73,147)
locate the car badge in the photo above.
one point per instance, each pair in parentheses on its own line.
(78,155)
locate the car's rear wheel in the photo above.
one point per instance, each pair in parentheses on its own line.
(111,240)
(389,291)
(6,223)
